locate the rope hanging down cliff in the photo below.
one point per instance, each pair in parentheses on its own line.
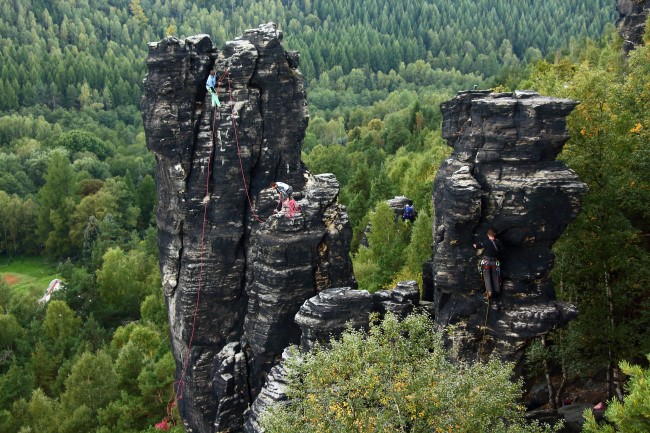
(292,208)
(180,383)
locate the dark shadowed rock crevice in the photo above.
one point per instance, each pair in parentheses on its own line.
(234,273)
(502,174)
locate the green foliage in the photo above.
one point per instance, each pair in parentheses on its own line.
(418,250)
(39,414)
(395,378)
(61,327)
(16,383)
(91,383)
(123,282)
(18,224)
(142,346)
(79,288)
(602,260)
(24,305)
(153,310)
(387,239)
(91,56)
(630,415)
(10,333)
(369,175)
(57,202)
(81,141)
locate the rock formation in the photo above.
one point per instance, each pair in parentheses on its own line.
(502,174)
(632,15)
(237,267)
(234,273)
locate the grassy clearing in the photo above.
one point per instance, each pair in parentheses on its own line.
(22,273)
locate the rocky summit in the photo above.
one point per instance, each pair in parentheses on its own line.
(236,264)
(502,174)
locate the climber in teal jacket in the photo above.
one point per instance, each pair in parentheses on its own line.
(211,85)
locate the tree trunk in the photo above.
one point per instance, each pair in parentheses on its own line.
(613,383)
(547,374)
(561,388)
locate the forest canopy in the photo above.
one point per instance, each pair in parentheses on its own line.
(77,182)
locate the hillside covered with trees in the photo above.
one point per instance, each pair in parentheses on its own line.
(77,187)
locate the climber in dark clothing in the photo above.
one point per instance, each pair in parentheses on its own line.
(490,263)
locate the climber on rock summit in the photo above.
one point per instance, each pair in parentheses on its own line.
(289,205)
(283,189)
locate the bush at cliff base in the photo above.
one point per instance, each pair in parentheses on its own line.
(396,378)
(632,415)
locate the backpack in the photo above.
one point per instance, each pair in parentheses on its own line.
(408,212)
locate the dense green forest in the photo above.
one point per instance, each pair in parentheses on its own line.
(91,53)
(77,187)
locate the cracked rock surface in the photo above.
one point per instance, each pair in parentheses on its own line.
(502,174)
(234,273)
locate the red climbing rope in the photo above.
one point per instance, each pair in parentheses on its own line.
(181,381)
(291,208)
(241,164)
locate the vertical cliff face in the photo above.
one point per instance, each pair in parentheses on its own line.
(632,15)
(502,174)
(234,273)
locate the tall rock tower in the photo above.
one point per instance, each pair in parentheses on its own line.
(502,174)
(234,272)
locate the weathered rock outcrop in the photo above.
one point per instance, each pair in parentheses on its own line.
(234,274)
(330,312)
(502,174)
(631,22)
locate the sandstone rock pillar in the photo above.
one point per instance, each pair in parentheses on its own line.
(502,174)
(233,273)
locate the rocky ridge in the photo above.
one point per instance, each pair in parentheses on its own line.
(243,282)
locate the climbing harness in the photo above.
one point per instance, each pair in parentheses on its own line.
(490,264)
